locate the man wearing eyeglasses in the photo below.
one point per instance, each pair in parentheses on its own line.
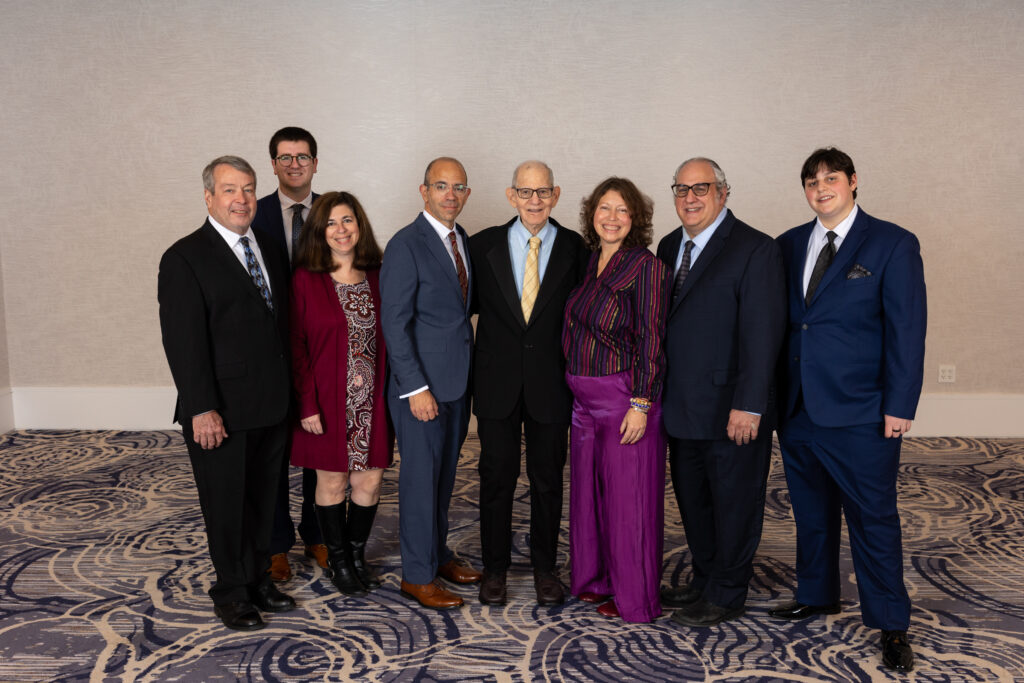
(426,289)
(524,271)
(725,325)
(280,216)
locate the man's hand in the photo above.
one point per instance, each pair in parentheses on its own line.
(208,430)
(742,427)
(312,424)
(895,427)
(634,424)
(423,406)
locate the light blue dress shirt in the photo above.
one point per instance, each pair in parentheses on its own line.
(519,247)
(699,242)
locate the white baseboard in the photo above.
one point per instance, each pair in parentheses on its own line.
(128,408)
(6,410)
(140,408)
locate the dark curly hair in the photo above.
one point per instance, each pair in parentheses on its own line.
(314,255)
(641,213)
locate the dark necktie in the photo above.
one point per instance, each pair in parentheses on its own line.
(296,228)
(684,270)
(825,256)
(460,267)
(256,272)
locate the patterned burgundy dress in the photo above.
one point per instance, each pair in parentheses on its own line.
(362,356)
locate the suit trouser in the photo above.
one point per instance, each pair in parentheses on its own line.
(616,499)
(428,456)
(500,454)
(283,537)
(237,485)
(853,470)
(720,489)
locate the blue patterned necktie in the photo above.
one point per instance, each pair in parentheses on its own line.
(256,272)
(296,229)
(684,270)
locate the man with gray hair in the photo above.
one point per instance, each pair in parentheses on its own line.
(223,294)
(725,324)
(524,271)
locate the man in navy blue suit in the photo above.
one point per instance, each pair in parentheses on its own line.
(425,284)
(725,325)
(854,364)
(280,216)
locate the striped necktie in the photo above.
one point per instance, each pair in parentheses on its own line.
(531,278)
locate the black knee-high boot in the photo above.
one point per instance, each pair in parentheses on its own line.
(339,552)
(360,521)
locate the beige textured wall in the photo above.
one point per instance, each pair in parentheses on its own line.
(110,110)
(5,365)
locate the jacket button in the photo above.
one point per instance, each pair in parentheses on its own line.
(804,326)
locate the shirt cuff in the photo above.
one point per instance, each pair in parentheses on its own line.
(416,391)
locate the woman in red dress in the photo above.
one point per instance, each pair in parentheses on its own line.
(338,367)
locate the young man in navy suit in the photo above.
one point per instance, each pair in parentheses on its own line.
(854,364)
(425,287)
(725,325)
(280,216)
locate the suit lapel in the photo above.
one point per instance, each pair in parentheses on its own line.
(432,245)
(706,256)
(847,251)
(499,258)
(559,263)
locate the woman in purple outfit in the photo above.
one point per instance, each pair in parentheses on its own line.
(614,327)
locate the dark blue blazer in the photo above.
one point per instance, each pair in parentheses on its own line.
(723,332)
(857,351)
(269,221)
(425,321)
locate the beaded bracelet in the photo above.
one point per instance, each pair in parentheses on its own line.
(641,405)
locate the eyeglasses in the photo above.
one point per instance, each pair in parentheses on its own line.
(442,187)
(699,189)
(286,159)
(527,192)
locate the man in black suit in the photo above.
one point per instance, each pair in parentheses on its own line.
(725,326)
(223,293)
(525,269)
(280,216)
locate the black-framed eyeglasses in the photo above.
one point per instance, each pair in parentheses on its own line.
(527,192)
(699,189)
(442,187)
(286,159)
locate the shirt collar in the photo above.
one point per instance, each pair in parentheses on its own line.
(439,227)
(841,230)
(287,202)
(701,240)
(522,236)
(230,236)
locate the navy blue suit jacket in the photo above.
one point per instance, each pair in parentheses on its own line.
(857,351)
(425,321)
(723,332)
(269,221)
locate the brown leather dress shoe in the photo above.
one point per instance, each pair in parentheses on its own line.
(549,588)
(279,569)
(592,598)
(458,571)
(609,609)
(431,595)
(493,590)
(318,552)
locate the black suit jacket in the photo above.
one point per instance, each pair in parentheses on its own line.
(269,221)
(512,357)
(226,350)
(724,331)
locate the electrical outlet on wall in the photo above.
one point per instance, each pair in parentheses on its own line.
(947,374)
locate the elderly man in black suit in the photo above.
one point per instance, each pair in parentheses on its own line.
(223,294)
(725,324)
(524,271)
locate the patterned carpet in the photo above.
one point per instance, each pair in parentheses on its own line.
(103,569)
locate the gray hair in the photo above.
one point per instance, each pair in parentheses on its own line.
(720,180)
(533,162)
(237,163)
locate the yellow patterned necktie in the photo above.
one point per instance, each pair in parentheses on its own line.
(531,278)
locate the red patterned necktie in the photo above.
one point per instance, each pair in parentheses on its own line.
(460,267)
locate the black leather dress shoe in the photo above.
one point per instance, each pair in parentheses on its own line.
(493,589)
(680,596)
(269,599)
(896,652)
(797,610)
(239,616)
(703,613)
(549,588)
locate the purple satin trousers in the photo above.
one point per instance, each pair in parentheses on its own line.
(616,498)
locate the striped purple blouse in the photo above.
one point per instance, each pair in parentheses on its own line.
(616,322)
